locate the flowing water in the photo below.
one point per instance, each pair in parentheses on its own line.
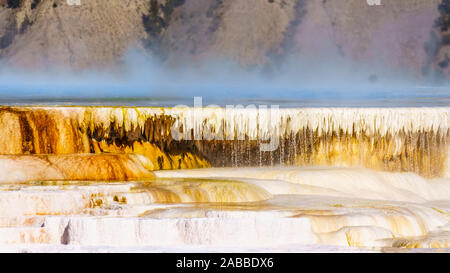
(87,178)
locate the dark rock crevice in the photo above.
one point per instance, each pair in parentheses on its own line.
(438,55)
(13,26)
(156,21)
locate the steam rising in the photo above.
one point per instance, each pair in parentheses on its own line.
(318,79)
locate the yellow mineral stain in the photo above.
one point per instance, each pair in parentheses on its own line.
(203,192)
(439,210)
(397,139)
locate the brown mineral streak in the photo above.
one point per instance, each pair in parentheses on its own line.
(147,132)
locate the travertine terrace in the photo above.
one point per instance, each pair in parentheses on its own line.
(391,139)
(153,179)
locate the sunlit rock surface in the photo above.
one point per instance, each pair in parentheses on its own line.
(89,179)
(241,210)
(109,167)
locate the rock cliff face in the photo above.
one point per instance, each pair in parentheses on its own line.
(392,35)
(255,32)
(398,34)
(47,32)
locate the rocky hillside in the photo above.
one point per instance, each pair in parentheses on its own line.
(255,33)
(51,32)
